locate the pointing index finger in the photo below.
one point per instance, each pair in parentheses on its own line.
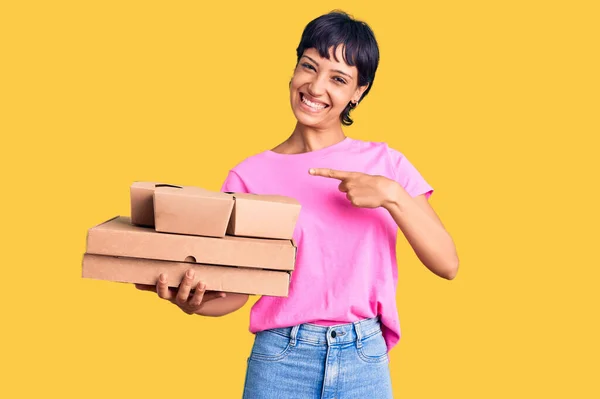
(331,173)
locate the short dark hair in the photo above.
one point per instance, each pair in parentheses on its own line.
(358,41)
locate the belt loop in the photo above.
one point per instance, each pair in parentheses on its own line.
(358,334)
(293,334)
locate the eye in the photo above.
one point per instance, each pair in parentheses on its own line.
(308,66)
(339,80)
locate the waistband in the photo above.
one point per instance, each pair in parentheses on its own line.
(331,335)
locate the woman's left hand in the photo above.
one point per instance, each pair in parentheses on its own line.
(362,190)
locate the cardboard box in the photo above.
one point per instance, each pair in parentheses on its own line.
(267,216)
(196,211)
(141,195)
(191,210)
(216,278)
(119,237)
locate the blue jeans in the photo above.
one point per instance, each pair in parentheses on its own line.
(307,361)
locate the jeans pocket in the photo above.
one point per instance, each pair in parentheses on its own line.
(373,349)
(270,346)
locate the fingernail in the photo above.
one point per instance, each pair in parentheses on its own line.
(190,273)
(222,295)
(162,278)
(311,171)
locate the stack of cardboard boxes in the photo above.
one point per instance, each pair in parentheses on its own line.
(238,243)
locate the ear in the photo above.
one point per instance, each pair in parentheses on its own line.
(359,92)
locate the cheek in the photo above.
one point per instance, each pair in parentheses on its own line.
(340,100)
(296,83)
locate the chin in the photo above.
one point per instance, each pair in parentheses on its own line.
(307,120)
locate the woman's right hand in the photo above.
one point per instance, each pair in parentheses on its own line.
(181,296)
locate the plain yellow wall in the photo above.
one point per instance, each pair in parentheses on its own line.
(496,103)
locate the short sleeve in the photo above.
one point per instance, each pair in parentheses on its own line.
(408,176)
(234,184)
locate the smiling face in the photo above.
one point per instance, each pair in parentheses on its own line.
(321,88)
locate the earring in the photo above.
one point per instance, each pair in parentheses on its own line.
(353,104)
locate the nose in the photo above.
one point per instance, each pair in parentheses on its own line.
(316,87)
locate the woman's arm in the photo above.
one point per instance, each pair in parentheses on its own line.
(414,216)
(424,231)
(222,306)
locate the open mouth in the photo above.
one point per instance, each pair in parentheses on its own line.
(312,105)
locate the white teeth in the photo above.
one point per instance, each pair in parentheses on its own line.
(311,104)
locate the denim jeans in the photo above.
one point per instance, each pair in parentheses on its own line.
(345,361)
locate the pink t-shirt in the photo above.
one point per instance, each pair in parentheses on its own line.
(346,261)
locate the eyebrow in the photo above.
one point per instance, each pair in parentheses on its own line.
(335,70)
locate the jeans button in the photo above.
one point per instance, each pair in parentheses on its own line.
(333,334)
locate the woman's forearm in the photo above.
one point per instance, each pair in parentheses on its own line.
(222,306)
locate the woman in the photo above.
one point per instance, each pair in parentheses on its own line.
(331,336)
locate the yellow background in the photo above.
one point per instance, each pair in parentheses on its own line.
(496,103)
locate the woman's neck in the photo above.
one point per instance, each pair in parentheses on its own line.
(307,139)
